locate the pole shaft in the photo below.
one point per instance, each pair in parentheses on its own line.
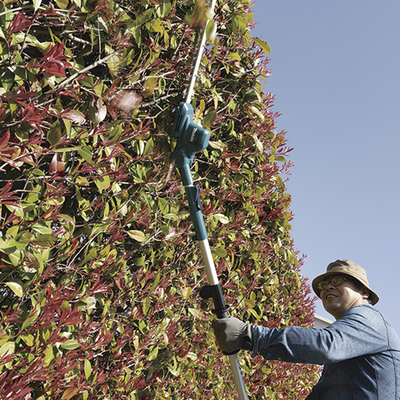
(213,280)
(237,376)
(193,194)
(189,93)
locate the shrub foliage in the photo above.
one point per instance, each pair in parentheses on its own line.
(99,273)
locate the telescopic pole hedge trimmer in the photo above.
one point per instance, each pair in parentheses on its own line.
(192,138)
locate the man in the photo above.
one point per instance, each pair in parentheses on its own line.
(360,351)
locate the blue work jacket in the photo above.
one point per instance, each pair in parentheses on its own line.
(360,353)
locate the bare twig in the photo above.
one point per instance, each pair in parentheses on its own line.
(82,71)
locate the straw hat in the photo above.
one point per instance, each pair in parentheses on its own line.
(349,268)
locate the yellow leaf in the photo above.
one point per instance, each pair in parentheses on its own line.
(36,4)
(7,348)
(149,86)
(63,4)
(16,288)
(137,235)
(196,313)
(69,393)
(186,292)
(28,339)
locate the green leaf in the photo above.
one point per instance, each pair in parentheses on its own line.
(220,252)
(3,338)
(264,45)
(42,228)
(16,287)
(149,86)
(7,246)
(70,344)
(165,8)
(17,210)
(153,354)
(7,79)
(16,257)
(209,118)
(271,394)
(54,134)
(102,182)
(217,145)
(280,158)
(257,112)
(27,322)
(143,17)
(155,25)
(250,303)
(234,56)
(86,153)
(65,306)
(38,172)
(146,305)
(98,228)
(46,240)
(48,355)
(90,256)
(259,145)
(139,261)
(149,147)
(114,62)
(88,368)
(186,293)
(222,218)
(154,285)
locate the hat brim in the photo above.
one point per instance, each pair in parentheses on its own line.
(373,296)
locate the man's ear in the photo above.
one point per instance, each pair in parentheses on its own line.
(365,293)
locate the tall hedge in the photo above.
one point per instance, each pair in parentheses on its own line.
(100,276)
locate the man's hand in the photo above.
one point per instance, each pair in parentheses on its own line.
(232,335)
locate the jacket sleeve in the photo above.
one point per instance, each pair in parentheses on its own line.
(360,331)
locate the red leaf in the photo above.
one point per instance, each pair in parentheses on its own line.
(52,61)
(55,68)
(50,10)
(19,23)
(2,111)
(5,193)
(4,139)
(8,161)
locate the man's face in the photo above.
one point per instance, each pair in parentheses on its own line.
(338,299)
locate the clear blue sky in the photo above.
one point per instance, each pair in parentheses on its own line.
(335,73)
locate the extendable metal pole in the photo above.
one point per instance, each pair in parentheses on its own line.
(193,194)
(213,281)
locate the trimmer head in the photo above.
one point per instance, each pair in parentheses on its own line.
(192,138)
